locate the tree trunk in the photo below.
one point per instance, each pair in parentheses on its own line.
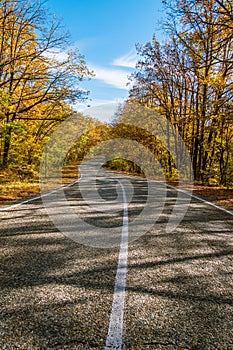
(6,147)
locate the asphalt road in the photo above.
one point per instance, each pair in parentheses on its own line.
(57,292)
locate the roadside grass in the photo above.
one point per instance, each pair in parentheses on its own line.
(219,195)
(15,186)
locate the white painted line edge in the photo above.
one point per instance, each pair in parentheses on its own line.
(200,199)
(37,197)
(115,330)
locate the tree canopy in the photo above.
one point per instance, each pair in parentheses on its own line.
(188,79)
(39,76)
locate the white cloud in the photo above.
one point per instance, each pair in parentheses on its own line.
(103,110)
(56,54)
(61,55)
(128,60)
(117,78)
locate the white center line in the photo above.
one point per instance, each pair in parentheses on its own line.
(115,330)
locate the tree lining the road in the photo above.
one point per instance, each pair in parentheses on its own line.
(39,78)
(188,79)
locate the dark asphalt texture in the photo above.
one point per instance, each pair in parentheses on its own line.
(57,293)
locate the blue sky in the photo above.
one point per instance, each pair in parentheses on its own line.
(106,32)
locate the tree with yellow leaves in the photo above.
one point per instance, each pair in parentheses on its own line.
(188,79)
(34,79)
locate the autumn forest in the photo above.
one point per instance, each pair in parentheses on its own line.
(187,78)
